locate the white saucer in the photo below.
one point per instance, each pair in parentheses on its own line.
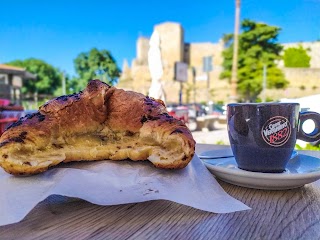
(301,169)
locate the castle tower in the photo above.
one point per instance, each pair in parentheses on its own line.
(142,51)
(125,69)
(171,43)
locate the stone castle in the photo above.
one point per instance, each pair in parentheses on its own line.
(201,86)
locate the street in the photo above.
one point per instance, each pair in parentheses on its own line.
(217,136)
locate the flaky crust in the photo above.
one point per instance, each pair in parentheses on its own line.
(102,122)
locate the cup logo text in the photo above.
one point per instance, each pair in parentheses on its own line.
(276,131)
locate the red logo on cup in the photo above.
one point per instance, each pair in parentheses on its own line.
(276,131)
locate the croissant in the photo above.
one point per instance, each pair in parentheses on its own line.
(101,122)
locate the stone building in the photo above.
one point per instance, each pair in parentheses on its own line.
(203,87)
(11,82)
(174,49)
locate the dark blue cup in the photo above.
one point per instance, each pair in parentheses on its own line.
(263,135)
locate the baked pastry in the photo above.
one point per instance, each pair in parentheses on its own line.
(101,122)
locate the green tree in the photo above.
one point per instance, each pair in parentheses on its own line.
(95,64)
(48,77)
(296,57)
(257,47)
(69,85)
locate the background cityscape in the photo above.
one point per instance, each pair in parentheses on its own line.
(49,49)
(175,49)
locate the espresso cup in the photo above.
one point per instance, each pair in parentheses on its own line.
(263,135)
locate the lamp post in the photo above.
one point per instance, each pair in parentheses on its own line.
(64,92)
(233,96)
(264,83)
(207,68)
(194,84)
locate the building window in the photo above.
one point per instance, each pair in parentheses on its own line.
(3,79)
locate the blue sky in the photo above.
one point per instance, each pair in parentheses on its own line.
(57,31)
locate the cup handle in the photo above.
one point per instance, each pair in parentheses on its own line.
(313,136)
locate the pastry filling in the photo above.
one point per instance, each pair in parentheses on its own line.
(113,146)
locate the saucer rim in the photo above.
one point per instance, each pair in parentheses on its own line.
(275,176)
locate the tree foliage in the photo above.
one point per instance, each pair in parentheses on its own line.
(257,47)
(296,57)
(95,64)
(48,77)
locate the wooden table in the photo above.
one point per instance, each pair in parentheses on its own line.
(289,214)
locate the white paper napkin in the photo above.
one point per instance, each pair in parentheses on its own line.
(115,182)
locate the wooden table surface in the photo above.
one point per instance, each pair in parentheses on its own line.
(288,214)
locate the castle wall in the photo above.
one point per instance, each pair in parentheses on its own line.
(303,82)
(308,77)
(200,50)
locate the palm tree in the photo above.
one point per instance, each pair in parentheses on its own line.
(233,96)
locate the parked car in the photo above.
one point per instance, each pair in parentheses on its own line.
(9,113)
(179,112)
(217,110)
(185,113)
(197,116)
(196,110)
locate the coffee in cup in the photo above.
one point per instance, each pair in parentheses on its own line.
(263,135)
